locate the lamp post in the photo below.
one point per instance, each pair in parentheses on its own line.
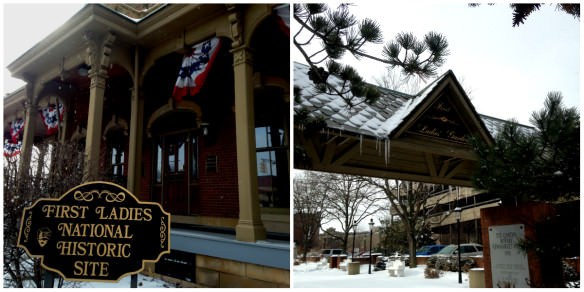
(354,234)
(370,241)
(457,215)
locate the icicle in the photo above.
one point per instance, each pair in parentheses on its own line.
(387,151)
(360,144)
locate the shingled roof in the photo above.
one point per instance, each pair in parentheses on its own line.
(379,119)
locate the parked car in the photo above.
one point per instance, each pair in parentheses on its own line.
(328,252)
(468,249)
(429,249)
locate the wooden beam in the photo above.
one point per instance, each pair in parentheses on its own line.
(308,146)
(399,175)
(346,155)
(455,170)
(431,166)
(444,168)
(440,150)
(329,151)
(345,141)
(331,139)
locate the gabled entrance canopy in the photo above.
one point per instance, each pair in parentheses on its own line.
(422,137)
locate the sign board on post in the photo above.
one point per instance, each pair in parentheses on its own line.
(508,263)
(97,231)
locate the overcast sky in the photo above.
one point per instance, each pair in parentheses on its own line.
(24,25)
(509,70)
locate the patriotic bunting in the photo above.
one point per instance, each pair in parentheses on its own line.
(195,67)
(11,149)
(15,129)
(50,118)
(283,18)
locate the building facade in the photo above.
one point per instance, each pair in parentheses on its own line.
(216,156)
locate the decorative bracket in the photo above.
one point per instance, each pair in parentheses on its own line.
(236,21)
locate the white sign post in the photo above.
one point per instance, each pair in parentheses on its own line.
(509,264)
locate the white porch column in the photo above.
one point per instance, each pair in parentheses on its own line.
(249,226)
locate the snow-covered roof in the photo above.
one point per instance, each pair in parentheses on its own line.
(495,125)
(379,119)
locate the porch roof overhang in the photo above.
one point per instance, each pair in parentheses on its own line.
(422,137)
(65,48)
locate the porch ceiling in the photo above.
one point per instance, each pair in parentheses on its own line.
(417,159)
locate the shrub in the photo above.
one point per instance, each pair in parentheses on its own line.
(431,262)
(430,273)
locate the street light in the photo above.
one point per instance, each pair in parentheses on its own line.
(370,241)
(457,215)
(354,232)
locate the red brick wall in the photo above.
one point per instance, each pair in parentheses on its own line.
(217,193)
(527,214)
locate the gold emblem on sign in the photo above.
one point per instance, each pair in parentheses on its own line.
(43,236)
(162,232)
(28,223)
(107,196)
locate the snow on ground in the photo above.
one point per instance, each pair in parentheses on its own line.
(143,282)
(309,275)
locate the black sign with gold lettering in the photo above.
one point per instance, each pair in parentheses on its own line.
(97,231)
(441,121)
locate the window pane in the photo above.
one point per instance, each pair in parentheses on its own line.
(181,157)
(171,158)
(276,137)
(159,164)
(273,166)
(264,166)
(261,137)
(114,154)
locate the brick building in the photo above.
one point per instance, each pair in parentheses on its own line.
(216,158)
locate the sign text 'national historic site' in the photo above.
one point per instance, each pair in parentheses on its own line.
(97,231)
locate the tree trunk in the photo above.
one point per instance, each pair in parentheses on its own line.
(304,252)
(412,249)
(345,239)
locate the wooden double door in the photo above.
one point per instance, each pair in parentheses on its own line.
(175,171)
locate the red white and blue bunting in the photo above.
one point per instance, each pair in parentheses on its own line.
(11,149)
(283,18)
(15,129)
(195,67)
(50,118)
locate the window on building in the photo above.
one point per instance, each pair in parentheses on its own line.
(272,166)
(116,157)
(271,114)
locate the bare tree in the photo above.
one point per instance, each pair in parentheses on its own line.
(409,200)
(349,199)
(394,80)
(55,168)
(309,195)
